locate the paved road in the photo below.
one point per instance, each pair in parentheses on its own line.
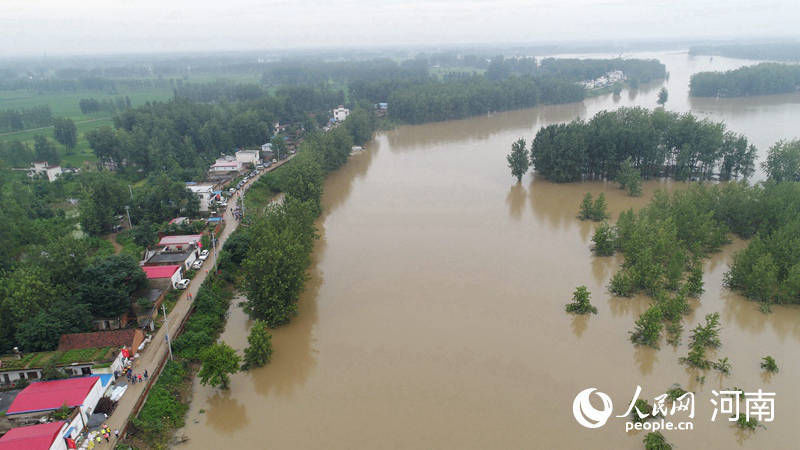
(157,349)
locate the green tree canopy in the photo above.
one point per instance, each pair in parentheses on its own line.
(783,161)
(518,159)
(65,132)
(107,284)
(44,150)
(219,362)
(259,350)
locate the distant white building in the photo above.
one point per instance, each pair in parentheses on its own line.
(42,167)
(608,79)
(340,113)
(226,164)
(248,156)
(204,193)
(266,147)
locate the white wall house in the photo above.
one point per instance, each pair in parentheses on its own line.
(226,164)
(35,373)
(204,193)
(43,168)
(248,156)
(340,113)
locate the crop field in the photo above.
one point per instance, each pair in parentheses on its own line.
(66,105)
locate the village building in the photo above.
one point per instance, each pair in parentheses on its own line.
(38,400)
(225,165)
(277,128)
(163,276)
(183,257)
(43,436)
(110,323)
(29,366)
(204,193)
(180,242)
(251,157)
(147,313)
(43,168)
(340,113)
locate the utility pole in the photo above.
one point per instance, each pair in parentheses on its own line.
(166,328)
(128,212)
(214,245)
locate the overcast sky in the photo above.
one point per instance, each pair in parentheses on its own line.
(105,26)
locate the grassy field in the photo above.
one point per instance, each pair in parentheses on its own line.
(66,105)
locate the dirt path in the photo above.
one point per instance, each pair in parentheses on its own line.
(112,237)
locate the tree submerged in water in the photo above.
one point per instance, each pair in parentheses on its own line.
(593,210)
(219,362)
(769,364)
(663,96)
(704,337)
(647,328)
(605,240)
(259,350)
(580,302)
(518,159)
(629,178)
(656,441)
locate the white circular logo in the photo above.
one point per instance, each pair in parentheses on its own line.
(586,414)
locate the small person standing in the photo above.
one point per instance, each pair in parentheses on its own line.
(145,374)
(116,434)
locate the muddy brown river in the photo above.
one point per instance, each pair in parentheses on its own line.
(434,315)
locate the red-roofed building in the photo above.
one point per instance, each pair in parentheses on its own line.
(51,395)
(40,399)
(163,276)
(46,436)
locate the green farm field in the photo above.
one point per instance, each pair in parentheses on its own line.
(66,105)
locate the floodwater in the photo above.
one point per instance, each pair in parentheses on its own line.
(434,315)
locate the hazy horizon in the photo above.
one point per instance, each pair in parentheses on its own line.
(51,27)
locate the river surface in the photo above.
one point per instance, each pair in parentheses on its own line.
(434,314)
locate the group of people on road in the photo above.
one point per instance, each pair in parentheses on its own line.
(134,378)
(103,433)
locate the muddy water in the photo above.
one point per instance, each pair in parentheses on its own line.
(434,316)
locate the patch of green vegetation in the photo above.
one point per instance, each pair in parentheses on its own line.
(769,364)
(580,302)
(84,355)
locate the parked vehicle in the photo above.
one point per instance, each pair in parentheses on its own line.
(232,190)
(183,284)
(197,264)
(274,160)
(203,255)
